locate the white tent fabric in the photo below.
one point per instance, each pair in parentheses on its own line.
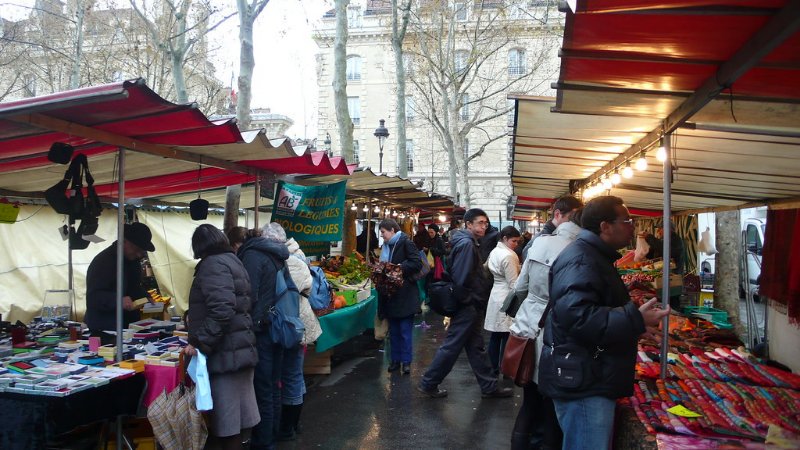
(33,257)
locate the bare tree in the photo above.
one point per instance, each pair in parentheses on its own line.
(462,74)
(399,27)
(343,120)
(175,34)
(248,12)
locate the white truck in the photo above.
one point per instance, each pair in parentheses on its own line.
(753,230)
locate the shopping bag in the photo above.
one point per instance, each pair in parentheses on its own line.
(431,259)
(706,244)
(198,372)
(381,328)
(519,359)
(176,422)
(438,268)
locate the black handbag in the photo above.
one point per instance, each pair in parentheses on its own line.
(56,196)
(443,300)
(512,303)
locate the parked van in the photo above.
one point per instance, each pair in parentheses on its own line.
(753,230)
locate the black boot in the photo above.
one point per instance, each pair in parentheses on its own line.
(520,441)
(290,415)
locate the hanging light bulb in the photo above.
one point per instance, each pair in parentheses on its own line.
(442,218)
(365,208)
(615,178)
(607,183)
(661,153)
(353,207)
(386,212)
(587,193)
(641,163)
(377,209)
(627,172)
(394,213)
(401,216)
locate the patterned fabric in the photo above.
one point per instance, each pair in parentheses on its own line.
(177,424)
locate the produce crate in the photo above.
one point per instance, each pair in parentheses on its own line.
(317,363)
(716,316)
(350,296)
(674,281)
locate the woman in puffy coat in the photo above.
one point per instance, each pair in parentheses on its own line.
(503,263)
(400,308)
(220,327)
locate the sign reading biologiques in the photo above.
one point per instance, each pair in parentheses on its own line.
(310,213)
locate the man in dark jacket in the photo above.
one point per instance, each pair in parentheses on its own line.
(592,313)
(472,288)
(101,282)
(263,258)
(563,208)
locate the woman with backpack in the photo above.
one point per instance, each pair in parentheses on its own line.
(264,257)
(220,326)
(400,307)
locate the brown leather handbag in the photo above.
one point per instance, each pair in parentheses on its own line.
(519,359)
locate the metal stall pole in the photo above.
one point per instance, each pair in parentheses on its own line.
(120,255)
(666,252)
(257,198)
(370,231)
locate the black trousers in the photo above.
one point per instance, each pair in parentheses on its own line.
(537,417)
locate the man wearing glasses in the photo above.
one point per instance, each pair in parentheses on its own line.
(472,288)
(592,315)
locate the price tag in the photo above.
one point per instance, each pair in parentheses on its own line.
(680,410)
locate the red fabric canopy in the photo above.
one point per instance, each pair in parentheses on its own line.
(131,111)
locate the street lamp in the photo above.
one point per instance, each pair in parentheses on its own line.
(327,143)
(381,133)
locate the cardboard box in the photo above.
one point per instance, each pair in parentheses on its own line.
(674,281)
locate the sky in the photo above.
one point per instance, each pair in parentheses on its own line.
(284,78)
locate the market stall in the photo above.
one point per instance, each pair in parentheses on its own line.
(677,108)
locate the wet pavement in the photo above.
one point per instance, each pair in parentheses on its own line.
(362,406)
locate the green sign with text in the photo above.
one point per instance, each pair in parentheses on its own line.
(310,213)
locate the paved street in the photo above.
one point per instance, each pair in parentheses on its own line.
(362,406)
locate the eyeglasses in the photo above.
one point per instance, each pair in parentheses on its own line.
(625,221)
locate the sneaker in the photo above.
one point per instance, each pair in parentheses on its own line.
(498,393)
(433,393)
(406,368)
(393,366)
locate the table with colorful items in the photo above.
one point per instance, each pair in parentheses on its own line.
(347,322)
(715,395)
(52,380)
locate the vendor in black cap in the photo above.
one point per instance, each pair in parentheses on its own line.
(101,281)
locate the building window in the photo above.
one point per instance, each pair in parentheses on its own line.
(354,16)
(408,64)
(466,149)
(460,61)
(410,155)
(356,153)
(353,68)
(354,108)
(463,113)
(411,112)
(516,61)
(461,11)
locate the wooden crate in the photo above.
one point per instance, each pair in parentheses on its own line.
(317,363)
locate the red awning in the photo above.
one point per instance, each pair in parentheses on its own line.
(168,144)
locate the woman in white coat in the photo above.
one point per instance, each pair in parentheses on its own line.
(537,414)
(503,263)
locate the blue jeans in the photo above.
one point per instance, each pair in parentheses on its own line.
(400,333)
(497,345)
(294,387)
(465,332)
(268,393)
(587,423)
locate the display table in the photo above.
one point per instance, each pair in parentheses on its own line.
(346,323)
(29,421)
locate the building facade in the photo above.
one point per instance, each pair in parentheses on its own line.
(530,53)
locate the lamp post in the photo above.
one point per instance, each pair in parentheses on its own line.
(381,133)
(327,143)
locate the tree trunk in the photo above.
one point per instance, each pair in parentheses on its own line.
(246,64)
(398,34)
(349,231)
(178,77)
(75,73)
(343,120)
(232,195)
(726,270)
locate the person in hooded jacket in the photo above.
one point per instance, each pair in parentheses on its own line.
(472,288)
(263,258)
(400,308)
(219,325)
